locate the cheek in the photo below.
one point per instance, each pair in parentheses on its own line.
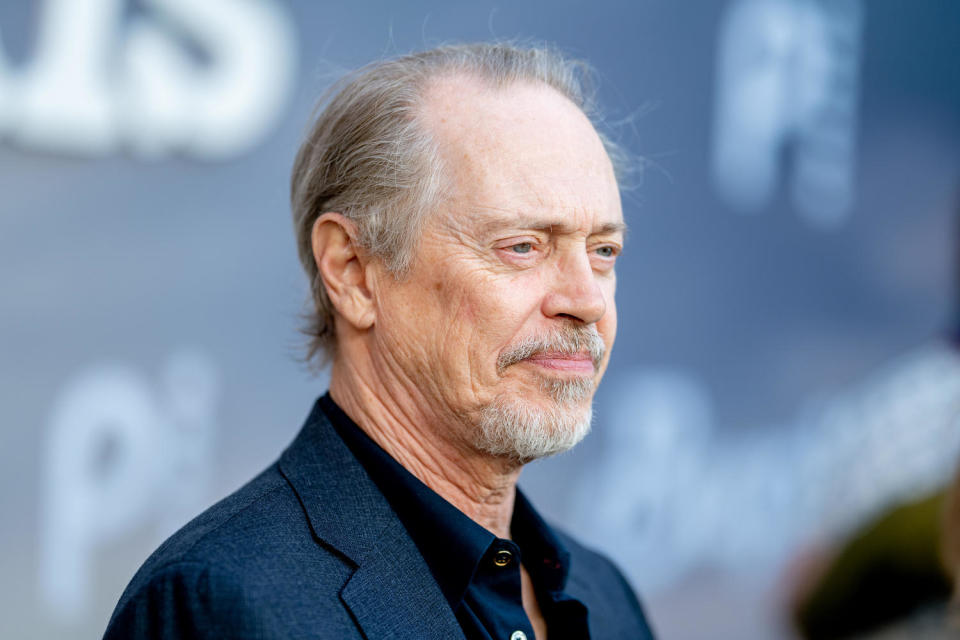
(461,320)
(511,302)
(608,323)
(609,327)
(493,313)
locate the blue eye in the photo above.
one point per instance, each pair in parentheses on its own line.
(606,252)
(523,247)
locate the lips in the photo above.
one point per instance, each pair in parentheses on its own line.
(576,349)
(572,362)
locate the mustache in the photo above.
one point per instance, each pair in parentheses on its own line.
(571,339)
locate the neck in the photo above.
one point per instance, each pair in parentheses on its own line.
(397,419)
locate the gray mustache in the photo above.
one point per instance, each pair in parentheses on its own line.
(569,340)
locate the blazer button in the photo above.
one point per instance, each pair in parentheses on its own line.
(518,635)
(502,558)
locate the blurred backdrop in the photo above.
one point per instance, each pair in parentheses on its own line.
(785,368)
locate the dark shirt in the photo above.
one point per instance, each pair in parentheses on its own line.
(478,573)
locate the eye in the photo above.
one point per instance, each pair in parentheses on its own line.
(606,252)
(523,247)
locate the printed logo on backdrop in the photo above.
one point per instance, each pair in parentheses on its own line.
(787,86)
(207,79)
(675,493)
(122,452)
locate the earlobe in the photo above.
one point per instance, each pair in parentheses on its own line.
(342,266)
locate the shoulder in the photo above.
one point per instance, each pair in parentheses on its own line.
(263,516)
(234,571)
(178,598)
(615,610)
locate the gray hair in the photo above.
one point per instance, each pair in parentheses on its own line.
(368,158)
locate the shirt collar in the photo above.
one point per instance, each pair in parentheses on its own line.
(450,542)
(546,558)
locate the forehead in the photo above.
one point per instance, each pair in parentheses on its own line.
(523,150)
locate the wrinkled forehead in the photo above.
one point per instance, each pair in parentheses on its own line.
(525,146)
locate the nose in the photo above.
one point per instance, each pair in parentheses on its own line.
(575,292)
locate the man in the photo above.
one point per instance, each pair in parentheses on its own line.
(459,220)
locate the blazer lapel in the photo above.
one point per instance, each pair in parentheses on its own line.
(391,593)
(392,597)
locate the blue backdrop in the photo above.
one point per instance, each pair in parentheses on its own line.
(780,373)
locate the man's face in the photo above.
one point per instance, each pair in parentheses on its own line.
(505,322)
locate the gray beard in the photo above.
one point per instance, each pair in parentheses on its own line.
(522,431)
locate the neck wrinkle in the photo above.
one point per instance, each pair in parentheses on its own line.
(482,487)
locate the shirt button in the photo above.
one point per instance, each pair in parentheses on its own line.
(518,635)
(502,558)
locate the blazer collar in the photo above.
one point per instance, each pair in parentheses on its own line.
(391,592)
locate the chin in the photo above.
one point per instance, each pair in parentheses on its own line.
(521,429)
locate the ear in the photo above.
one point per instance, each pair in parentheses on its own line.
(343,268)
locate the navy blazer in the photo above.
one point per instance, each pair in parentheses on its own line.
(311,549)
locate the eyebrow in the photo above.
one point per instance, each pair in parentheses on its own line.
(558,225)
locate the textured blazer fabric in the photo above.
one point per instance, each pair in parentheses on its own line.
(311,549)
